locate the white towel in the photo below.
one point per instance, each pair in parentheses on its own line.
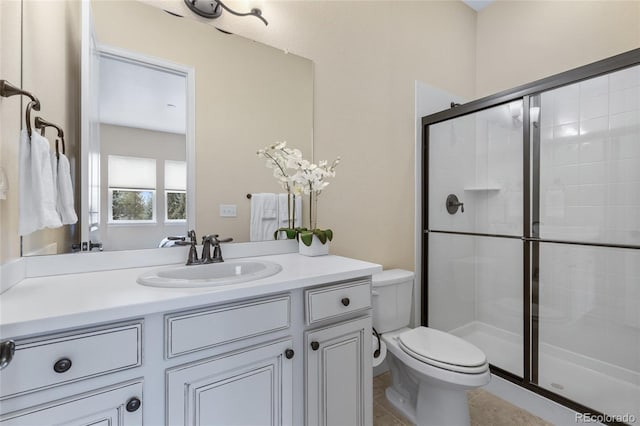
(283,210)
(37,196)
(264,216)
(4,184)
(64,190)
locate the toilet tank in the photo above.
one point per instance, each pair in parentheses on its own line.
(392,293)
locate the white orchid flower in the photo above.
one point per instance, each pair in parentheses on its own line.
(296,175)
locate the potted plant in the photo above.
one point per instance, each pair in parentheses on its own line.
(283,160)
(299,177)
(311,179)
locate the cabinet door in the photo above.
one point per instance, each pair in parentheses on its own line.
(251,387)
(339,382)
(105,407)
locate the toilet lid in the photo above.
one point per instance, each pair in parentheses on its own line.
(443,350)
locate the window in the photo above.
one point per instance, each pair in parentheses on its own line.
(132,189)
(175,185)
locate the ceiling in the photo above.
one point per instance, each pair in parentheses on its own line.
(477,5)
(135,95)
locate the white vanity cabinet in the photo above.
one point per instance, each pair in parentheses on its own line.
(338,356)
(294,349)
(61,364)
(115,406)
(249,387)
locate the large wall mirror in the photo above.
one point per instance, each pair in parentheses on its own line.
(132,162)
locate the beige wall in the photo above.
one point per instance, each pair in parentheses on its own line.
(51,41)
(367,56)
(363,108)
(10,113)
(522,41)
(248,95)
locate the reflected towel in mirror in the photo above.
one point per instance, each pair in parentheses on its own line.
(283,211)
(64,190)
(264,216)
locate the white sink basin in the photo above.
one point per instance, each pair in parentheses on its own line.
(210,275)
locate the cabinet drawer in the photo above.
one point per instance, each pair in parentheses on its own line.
(53,360)
(103,407)
(337,300)
(217,326)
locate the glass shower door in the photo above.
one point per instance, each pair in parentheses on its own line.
(588,324)
(475,224)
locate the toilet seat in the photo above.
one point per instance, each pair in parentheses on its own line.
(442,350)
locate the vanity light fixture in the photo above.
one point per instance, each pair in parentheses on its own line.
(213,9)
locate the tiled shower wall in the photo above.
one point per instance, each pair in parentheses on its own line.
(478,157)
(589,302)
(590,192)
(590,160)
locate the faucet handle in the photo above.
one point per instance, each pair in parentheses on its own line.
(192,235)
(215,240)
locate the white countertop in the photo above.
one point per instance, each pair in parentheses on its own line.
(43,304)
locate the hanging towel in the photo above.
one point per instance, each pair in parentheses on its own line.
(283,210)
(37,195)
(4,184)
(264,216)
(64,190)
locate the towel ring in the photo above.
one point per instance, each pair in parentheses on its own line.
(35,105)
(57,149)
(42,124)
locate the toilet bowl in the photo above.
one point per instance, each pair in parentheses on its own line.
(430,369)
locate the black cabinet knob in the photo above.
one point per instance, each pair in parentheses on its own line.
(133,404)
(289,353)
(345,301)
(315,345)
(7,350)
(62,365)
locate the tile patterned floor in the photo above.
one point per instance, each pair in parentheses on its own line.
(485,409)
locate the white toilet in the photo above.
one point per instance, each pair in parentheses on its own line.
(430,369)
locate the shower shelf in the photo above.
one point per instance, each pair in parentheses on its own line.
(482,188)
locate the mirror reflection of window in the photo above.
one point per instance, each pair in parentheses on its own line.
(132,189)
(175,186)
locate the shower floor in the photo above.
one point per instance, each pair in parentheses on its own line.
(584,380)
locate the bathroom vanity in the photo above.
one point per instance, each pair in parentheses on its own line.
(96,348)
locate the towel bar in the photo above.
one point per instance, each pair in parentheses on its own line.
(7,90)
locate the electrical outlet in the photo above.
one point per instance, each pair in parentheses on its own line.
(228,210)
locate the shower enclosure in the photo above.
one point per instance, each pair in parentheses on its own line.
(531,242)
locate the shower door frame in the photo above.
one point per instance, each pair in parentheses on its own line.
(528,94)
